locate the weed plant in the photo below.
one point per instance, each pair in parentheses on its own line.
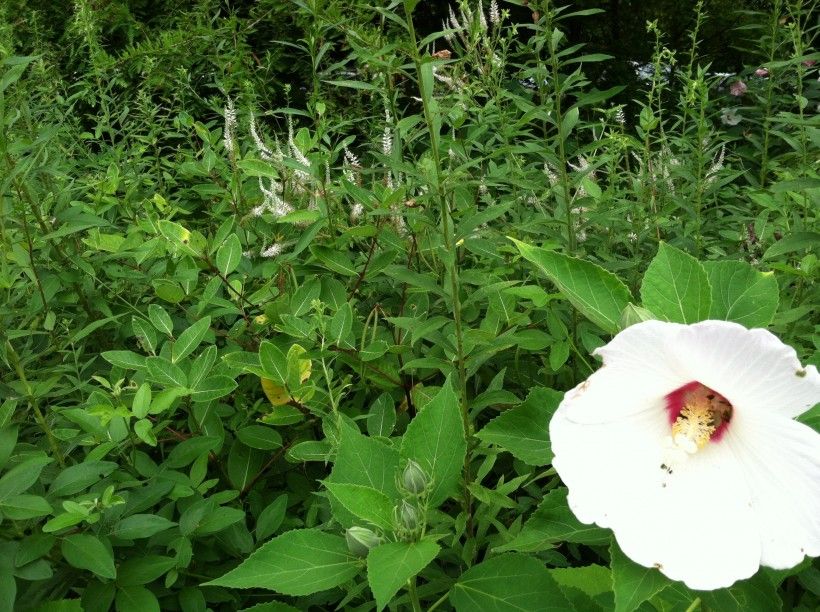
(266,340)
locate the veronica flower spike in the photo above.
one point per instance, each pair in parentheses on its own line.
(684,443)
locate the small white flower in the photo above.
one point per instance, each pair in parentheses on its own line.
(495,15)
(684,443)
(730,116)
(356,211)
(229,133)
(632,237)
(272,251)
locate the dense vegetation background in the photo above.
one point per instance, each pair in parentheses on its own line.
(256,275)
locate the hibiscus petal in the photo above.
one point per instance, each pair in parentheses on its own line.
(601,462)
(697,526)
(638,371)
(780,459)
(752,368)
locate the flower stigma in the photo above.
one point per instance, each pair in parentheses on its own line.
(698,415)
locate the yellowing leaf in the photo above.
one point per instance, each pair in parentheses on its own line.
(279,396)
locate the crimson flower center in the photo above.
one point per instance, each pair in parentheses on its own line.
(697,415)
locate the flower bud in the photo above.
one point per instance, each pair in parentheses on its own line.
(360,540)
(409,516)
(413,479)
(762,73)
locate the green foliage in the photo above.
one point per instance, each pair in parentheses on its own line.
(277,276)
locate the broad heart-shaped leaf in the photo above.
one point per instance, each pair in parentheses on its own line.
(87,552)
(742,294)
(391,565)
(361,460)
(524,430)
(598,294)
(633,584)
(511,582)
(676,287)
(299,562)
(364,502)
(554,522)
(435,440)
(757,594)
(229,255)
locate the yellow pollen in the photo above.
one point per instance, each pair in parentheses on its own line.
(696,422)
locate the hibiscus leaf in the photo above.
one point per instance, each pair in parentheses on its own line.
(676,287)
(633,583)
(391,565)
(554,522)
(299,562)
(435,440)
(511,582)
(598,294)
(742,294)
(524,430)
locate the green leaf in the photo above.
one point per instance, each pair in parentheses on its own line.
(257,167)
(187,451)
(24,507)
(127,360)
(742,294)
(568,122)
(143,570)
(136,599)
(189,340)
(598,294)
(160,319)
(524,430)
(303,297)
(299,562)
(139,526)
(364,502)
(374,350)
(243,465)
(79,477)
(87,552)
(340,326)
(633,584)
(756,594)
(142,401)
(259,436)
(164,372)
(229,255)
(145,333)
(554,522)
(19,478)
(334,260)
(792,243)
(145,431)
(676,287)
(391,565)
(508,583)
(274,362)
(435,440)
(213,387)
(270,519)
(361,460)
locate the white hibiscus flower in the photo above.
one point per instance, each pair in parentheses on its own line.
(684,444)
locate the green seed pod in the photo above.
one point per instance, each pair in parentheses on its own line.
(360,540)
(413,479)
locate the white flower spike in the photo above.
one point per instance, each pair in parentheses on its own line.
(684,444)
